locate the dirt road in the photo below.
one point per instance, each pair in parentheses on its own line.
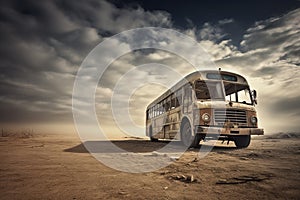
(59,167)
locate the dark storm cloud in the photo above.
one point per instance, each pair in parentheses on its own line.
(42,46)
(107,18)
(266,71)
(290,106)
(279,34)
(270,45)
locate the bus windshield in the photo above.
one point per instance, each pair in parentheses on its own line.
(209,90)
(237,93)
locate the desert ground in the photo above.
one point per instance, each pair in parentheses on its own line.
(55,166)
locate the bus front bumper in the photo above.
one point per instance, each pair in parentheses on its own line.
(228,131)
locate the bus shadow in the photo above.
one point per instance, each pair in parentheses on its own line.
(216,148)
(140,146)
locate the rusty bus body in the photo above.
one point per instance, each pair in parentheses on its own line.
(205,104)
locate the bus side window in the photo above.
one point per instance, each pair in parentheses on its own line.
(178,96)
(173,101)
(163,107)
(160,108)
(152,112)
(167,104)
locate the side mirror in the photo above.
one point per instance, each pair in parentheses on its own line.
(254,95)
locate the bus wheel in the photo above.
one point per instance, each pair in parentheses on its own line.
(242,141)
(196,141)
(152,139)
(186,136)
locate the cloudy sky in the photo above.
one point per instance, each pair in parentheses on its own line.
(43,44)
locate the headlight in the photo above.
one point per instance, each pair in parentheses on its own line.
(253,120)
(206,117)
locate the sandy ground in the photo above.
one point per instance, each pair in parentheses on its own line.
(59,167)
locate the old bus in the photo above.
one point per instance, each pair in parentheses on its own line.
(205,104)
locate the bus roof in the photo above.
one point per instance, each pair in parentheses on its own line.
(207,75)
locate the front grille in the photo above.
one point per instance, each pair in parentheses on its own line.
(230,115)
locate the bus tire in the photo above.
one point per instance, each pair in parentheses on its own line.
(187,138)
(242,141)
(152,139)
(196,141)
